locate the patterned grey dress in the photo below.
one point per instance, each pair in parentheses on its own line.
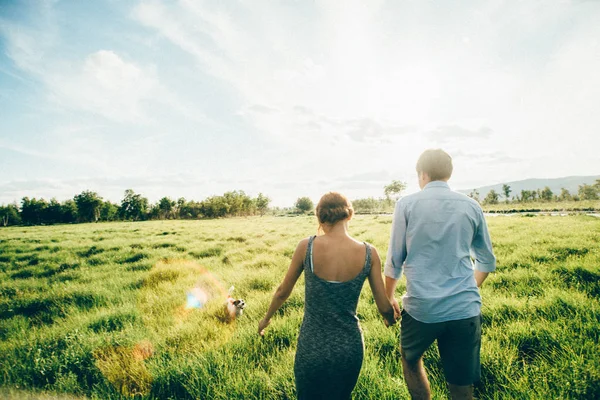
(330,345)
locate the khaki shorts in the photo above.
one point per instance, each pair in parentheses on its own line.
(459,343)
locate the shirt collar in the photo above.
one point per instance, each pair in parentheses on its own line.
(434,184)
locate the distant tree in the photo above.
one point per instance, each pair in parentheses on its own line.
(179,207)
(304,204)
(531,195)
(32,211)
(68,212)
(528,195)
(153,212)
(248,206)
(237,202)
(191,210)
(588,192)
(262,204)
(368,205)
(109,211)
(564,195)
(9,215)
(133,206)
(474,195)
(546,194)
(394,190)
(88,206)
(215,207)
(233,201)
(506,190)
(491,198)
(53,213)
(166,207)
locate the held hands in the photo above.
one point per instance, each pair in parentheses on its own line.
(396,307)
(262,325)
(389,322)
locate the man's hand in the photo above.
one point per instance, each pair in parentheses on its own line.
(262,325)
(397,309)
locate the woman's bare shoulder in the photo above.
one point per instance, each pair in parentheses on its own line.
(303,244)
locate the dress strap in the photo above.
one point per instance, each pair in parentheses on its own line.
(367,267)
(309,251)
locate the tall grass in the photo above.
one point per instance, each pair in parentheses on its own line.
(98,311)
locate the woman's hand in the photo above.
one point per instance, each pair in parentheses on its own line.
(285,288)
(389,322)
(262,325)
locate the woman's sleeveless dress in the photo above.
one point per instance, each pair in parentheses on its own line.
(330,345)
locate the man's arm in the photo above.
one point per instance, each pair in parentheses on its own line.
(390,287)
(480,277)
(485,261)
(396,252)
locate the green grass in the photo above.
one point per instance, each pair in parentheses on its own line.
(543,206)
(97,311)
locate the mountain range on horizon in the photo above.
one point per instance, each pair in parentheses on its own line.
(571,183)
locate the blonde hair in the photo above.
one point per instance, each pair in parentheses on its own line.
(436,163)
(332,208)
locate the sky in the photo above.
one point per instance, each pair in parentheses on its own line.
(292,98)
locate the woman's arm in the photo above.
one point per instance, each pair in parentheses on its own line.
(384,305)
(285,288)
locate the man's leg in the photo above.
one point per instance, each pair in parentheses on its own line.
(460,347)
(415,338)
(460,392)
(416,378)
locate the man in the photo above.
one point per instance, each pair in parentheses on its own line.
(434,234)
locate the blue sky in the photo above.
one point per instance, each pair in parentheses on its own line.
(291,98)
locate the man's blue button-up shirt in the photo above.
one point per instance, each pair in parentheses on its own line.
(435,232)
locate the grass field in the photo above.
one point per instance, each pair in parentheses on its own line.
(98,311)
(540,206)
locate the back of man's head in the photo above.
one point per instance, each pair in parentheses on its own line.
(436,163)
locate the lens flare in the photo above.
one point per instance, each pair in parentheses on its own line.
(196,298)
(207,288)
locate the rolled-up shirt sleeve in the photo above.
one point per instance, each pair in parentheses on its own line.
(485,261)
(396,253)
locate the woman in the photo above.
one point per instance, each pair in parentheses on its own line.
(330,345)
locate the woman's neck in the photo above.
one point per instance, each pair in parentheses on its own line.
(338,230)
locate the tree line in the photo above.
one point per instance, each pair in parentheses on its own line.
(88,206)
(369,205)
(585,192)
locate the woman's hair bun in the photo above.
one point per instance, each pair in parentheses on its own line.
(333,207)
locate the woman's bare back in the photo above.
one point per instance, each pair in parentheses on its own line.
(337,259)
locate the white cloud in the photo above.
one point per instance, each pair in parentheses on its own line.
(447,133)
(101,83)
(109,86)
